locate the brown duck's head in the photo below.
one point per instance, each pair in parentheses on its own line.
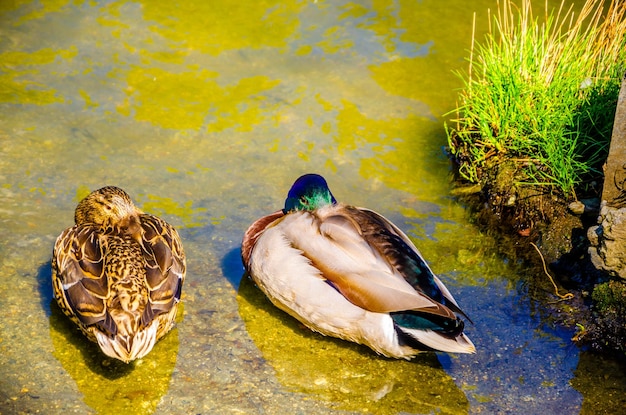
(111,209)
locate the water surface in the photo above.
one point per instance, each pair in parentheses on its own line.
(205,113)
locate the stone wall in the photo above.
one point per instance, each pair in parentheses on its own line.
(608,241)
(608,238)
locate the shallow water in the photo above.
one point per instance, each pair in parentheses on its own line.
(205,112)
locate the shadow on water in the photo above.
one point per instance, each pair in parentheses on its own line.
(349,376)
(232,267)
(44,285)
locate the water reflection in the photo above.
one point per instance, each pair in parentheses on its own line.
(348,375)
(110,386)
(601,382)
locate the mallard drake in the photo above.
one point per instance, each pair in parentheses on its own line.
(348,272)
(118,274)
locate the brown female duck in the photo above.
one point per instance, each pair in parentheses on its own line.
(118,274)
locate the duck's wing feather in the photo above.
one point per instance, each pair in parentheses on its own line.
(79,280)
(402,254)
(333,240)
(165,264)
(252,234)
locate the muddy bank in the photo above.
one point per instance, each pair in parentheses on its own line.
(574,250)
(549,235)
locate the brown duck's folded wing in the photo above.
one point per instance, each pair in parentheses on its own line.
(371,295)
(403,255)
(253,232)
(79,282)
(356,268)
(165,263)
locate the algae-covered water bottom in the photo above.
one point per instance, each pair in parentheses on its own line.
(205,113)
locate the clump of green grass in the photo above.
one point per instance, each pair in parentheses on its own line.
(542,93)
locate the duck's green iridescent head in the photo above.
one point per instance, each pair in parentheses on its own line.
(309,192)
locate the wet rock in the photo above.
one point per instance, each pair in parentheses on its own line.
(608,241)
(585,206)
(593,235)
(577,207)
(591,205)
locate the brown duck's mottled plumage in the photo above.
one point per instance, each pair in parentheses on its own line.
(118,274)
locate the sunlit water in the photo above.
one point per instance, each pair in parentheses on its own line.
(205,112)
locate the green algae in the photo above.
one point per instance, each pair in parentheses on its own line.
(462,252)
(335,40)
(608,328)
(185,100)
(41,57)
(81,193)
(392,142)
(17,84)
(45,8)
(14,90)
(216,27)
(482,398)
(89,103)
(350,376)
(610,298)
(160,206)
(421,77)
